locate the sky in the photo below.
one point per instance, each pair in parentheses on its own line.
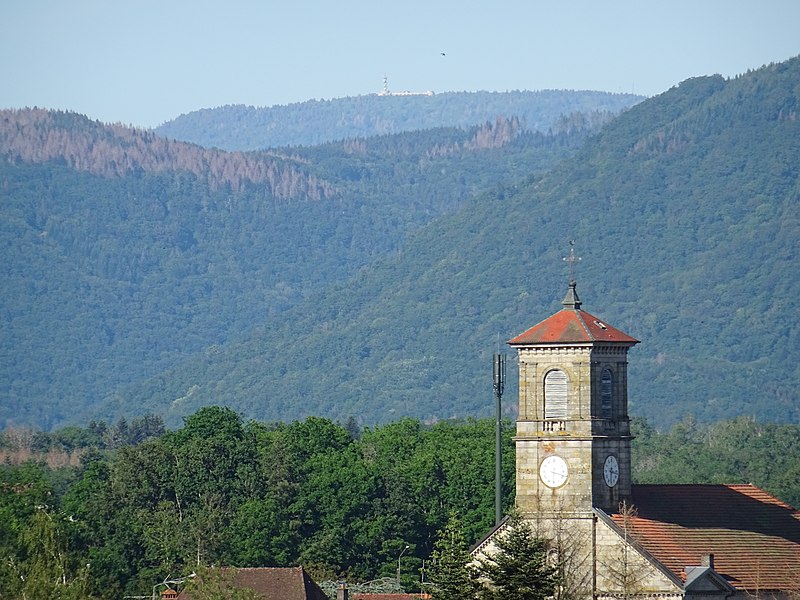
(145,62)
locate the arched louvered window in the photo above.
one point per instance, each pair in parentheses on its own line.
(607,394)
(555,395)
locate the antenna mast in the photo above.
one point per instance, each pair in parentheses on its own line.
(499,382)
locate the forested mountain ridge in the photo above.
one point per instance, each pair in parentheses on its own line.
(38,136)
(240,127)
(684,209)
(388,299)
(123,253)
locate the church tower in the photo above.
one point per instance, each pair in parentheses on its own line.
(573,441)
(573,468)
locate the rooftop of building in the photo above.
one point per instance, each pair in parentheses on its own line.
(753,537)
(572,325)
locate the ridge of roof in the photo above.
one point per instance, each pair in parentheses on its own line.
(754,537)
(611,521)
(480,544)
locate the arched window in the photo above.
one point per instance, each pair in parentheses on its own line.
(555,395)
(607,394)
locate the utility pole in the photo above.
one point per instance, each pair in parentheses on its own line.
(499,381)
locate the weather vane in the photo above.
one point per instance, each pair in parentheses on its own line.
(572,259)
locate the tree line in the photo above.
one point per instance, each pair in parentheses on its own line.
(345,502)
(341,501)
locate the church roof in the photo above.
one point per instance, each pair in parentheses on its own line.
(571,325)
(754,537)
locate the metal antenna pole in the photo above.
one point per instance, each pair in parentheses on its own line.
(499,381)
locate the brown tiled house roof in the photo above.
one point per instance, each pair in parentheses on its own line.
(390,596)
(754,537)
(275,583)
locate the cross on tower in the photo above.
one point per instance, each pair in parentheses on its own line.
(572,259)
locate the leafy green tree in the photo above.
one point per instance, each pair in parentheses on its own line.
(208,454)
(263,535)
(519,569)
(49,570)
(336,498)
(450,576)
(22,488)
(100,527)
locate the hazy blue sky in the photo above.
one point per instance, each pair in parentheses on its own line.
(145,62)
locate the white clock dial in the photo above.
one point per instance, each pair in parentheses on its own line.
(553,471)
(611,471)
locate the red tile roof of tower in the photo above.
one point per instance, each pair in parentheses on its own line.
(571,325)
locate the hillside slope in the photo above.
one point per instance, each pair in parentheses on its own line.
(685,212)
(313,122)
(123,253)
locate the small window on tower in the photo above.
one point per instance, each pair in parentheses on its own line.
(607,394)
(555,395)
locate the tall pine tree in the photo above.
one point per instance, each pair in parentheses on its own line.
(519,569)
(450,576)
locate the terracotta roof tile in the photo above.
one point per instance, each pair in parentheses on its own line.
(389,596)
(571,326)
(754,537)
(275,583)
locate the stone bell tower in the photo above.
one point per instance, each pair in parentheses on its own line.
(573,441)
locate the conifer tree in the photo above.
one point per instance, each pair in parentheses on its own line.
(450,575)
(519,569)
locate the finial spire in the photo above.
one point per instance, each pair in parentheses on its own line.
(572,259)
(571,300)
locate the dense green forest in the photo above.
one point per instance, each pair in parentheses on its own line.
(343,501)
(314,122)
(156,288)
(110,278)
(684,211)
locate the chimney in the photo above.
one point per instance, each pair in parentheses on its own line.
(342,592)
(707,560)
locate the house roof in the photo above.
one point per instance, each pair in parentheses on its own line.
(275,583)
(390,596)
(754,537)
(572,325)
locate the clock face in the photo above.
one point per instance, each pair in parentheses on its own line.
(611,471)
(553,471)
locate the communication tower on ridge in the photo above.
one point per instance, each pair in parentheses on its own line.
(386,92)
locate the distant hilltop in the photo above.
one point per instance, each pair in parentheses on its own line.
(240,127)
(386,92)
